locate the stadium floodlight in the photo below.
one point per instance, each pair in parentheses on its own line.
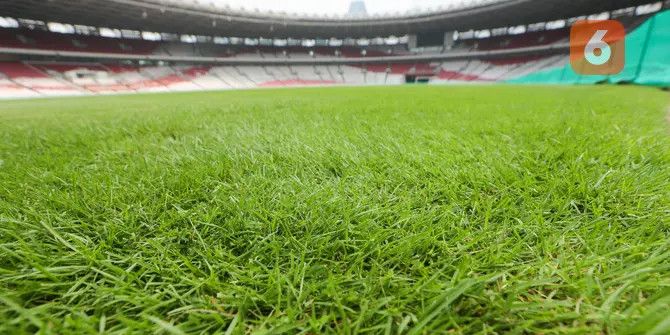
(628,11)
(32,24)
(377,41)
(466,35)
(60,28)
(85,30)
(109,32)
(170,37)
(280,43)
(649,8)
(531,27)
(131,34)
(308,43)
(349,42)
(188,38)
(599,16)
(485,33)
(335,42)
(8,22)
(151,36)
(572,20)
(251,41)
(391,40)
(221,40)
(553,25)
(516,30)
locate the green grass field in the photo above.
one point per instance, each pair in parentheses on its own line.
(399,210)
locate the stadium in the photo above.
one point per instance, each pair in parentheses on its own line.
(202,167)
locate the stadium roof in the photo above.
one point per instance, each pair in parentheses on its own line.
(207,19)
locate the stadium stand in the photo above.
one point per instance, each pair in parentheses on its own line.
(40,62)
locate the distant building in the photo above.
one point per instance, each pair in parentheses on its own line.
(357,9)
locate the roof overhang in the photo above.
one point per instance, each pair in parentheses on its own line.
(147,15)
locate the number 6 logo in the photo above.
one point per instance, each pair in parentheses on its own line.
(597,43)
(597,47)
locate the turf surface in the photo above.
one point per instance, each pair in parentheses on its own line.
(471,210)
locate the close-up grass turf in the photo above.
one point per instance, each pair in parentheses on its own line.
(398,210)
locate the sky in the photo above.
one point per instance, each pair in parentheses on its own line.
(335,6)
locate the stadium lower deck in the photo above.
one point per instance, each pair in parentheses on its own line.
(48,77)
(27,79)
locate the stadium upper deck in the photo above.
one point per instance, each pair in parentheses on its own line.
(206,19)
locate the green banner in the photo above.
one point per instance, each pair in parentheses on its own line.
(647,60)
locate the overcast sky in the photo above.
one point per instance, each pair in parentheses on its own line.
(336,6)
